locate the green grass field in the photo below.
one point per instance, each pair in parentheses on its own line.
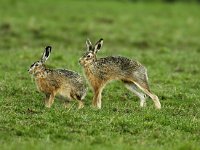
(163,37)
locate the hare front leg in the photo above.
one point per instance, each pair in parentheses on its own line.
(49,99)
(97,97)
(46,100)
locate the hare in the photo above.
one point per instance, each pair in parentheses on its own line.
(65,83)
(100,71)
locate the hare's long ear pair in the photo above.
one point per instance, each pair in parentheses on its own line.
(96,47)
(46,54)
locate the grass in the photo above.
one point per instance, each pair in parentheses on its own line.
(163,37)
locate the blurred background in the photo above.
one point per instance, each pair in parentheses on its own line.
(134,28)
(68,23)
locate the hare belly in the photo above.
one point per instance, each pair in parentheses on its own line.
(65,92)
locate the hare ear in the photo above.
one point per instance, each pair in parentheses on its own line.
(46,54)
(98,45)
(88,45)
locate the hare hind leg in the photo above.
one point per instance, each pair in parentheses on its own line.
(80,101)
(133,88)
(67,103)
(143,86)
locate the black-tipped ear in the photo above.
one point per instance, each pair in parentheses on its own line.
(98,45)
(48,51)
(46,54)
(88,45)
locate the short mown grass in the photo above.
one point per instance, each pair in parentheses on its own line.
(163,37)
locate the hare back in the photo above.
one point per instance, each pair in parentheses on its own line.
(71,77)
(116,67)
(60,80)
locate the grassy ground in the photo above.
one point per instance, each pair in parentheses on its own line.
(165,38)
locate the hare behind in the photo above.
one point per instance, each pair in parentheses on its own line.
(65,83)
(100,71)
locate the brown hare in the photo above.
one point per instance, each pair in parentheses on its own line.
(101,71)
(64,83)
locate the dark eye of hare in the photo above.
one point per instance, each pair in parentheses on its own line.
(88,56)
(36,64)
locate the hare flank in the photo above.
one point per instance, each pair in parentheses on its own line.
(65,83)
(101,71)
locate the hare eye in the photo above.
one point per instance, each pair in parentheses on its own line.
(88,56)
(36,64)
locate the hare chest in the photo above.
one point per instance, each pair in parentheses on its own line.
(46,86)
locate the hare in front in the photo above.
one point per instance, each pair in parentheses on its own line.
(100,71)
(65,83)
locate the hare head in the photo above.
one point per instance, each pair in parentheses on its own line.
(90,55)
(39,66)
